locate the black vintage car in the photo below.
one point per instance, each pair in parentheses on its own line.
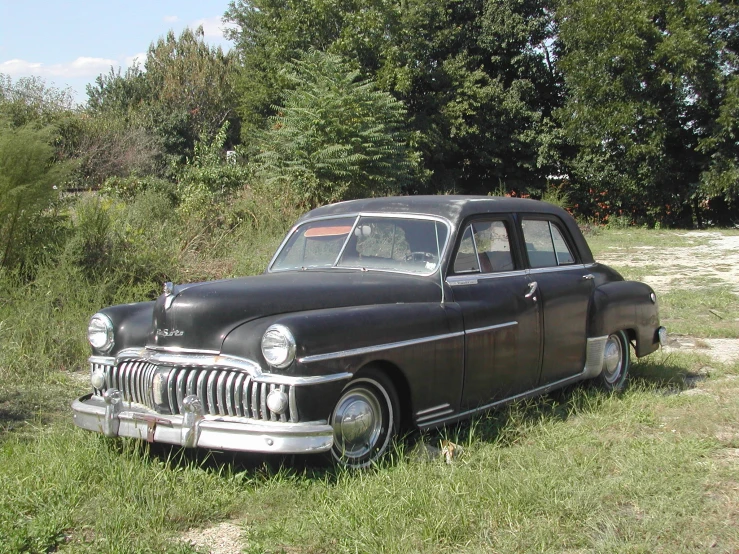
(377,313)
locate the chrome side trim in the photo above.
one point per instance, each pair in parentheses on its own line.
(491,328)
(457,280)
(568,267)
(436,411)
(533,392)
(399,344)
(377,348)
(460,283)
(594,357)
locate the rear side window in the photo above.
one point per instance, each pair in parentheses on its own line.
(484,248)
(545,244)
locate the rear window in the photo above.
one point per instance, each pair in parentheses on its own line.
(545,244)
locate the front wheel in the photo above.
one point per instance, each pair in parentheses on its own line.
(616,357)
(365,420)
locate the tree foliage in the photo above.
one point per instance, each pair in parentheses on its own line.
(29,100)
(473,99)
(27,178)
(183,94)
(647,85)
(336,136)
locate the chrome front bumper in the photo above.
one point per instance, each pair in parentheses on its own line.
(115,417)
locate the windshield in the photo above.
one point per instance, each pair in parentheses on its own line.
(409,245)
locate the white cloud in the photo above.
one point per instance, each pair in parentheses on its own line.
(171,19)
(81,67)
(213,28)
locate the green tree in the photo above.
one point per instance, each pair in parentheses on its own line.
(336,136)
(473,75)
(27,178)
(29,100)
(184,94)
(646,84)
(721,178)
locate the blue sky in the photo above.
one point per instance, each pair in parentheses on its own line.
(69,43)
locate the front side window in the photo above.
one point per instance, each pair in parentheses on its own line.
(545,244)
(368,242)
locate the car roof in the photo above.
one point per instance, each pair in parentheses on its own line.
(455,208)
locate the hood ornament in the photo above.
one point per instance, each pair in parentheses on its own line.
(168,294)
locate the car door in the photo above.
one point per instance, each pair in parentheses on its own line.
(501,317)
(564,288)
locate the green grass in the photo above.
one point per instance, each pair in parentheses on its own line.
(710,312)
(654,469)
(575,471)
(637,239)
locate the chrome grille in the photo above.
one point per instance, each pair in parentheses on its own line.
(222,391)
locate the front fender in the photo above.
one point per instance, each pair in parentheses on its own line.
(422,342)
(626,305)
(131,325)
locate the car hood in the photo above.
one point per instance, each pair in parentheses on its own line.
(200,316)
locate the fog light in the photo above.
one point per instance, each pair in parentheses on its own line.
(97,378)
(662,334)
(112,397)
(277,402)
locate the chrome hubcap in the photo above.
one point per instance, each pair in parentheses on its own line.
(612,359)
(357,423)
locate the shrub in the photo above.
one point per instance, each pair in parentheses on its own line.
(128,188)
(28,177)
(208,178)
(336,137)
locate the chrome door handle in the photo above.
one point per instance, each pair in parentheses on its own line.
(532,290)
(588,277)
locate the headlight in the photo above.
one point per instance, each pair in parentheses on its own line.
(278,346)
(100,332)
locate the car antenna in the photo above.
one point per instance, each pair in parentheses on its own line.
(438,261)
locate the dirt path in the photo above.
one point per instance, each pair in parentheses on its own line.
(712,258)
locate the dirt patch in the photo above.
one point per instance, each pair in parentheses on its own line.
(714,258)
(224,538)
(725,351)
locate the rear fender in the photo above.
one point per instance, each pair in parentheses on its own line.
(626,306)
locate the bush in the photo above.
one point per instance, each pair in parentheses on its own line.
(336,137)
(28,177)
(128,244)
(208,178)
(128,188)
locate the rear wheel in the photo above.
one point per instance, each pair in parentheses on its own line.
(616,358)
(365,419)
